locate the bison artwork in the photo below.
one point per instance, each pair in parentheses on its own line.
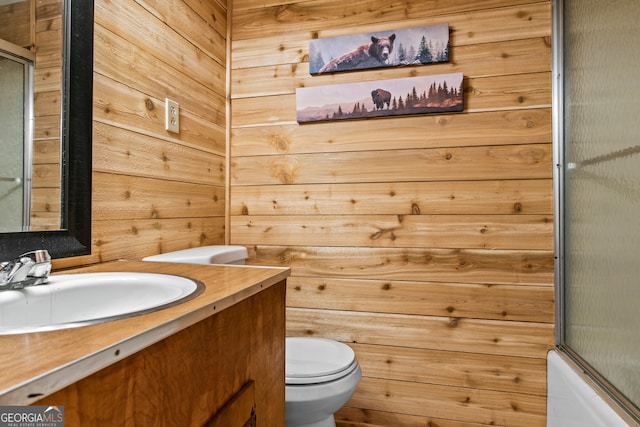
(369,55)
(381,97)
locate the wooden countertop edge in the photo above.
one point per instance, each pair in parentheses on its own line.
(34,375)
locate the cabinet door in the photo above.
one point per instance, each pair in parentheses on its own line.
(239,411)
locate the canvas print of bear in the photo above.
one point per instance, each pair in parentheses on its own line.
(394,48)
(381,98)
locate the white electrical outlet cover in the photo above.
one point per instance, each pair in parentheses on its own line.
(171,116)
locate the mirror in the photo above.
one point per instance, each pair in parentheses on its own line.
(73,238)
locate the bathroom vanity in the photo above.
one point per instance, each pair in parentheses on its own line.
(216,360)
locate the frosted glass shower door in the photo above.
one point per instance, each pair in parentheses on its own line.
(15,143)
(601,194)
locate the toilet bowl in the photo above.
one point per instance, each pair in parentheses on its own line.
(320,374)
(320,377)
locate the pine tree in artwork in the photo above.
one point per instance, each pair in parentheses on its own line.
(424,54)
(445,53)
(402,54)
(411,55)
(315,59)
(432,93)
(414,97)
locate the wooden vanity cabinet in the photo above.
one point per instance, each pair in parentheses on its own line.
(226,370)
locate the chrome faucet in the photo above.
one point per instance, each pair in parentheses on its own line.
(29,269)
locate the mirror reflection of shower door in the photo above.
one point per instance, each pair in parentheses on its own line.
(16,124)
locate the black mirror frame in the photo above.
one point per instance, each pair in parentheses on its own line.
(77,103)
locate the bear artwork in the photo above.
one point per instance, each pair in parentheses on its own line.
(381,97)
(369,55)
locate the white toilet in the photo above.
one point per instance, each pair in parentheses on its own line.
(222,254)
(321,374)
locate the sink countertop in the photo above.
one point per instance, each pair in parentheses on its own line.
(40,363)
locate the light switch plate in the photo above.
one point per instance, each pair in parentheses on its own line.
(171,116)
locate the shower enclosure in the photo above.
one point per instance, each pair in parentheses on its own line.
(16,135)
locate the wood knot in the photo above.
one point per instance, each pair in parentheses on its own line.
(517,207)
(378,234)
(386,286)
(281,144)
(149,104)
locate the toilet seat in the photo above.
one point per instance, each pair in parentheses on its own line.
(317,360)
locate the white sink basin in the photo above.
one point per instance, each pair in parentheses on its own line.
(71,300)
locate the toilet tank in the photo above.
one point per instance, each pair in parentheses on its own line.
(217,254)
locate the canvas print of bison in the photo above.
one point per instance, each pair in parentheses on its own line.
(381,98)
(410,46)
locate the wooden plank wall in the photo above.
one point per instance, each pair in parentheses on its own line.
(156,191)
(16,23)
(47,88)
(424,242)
